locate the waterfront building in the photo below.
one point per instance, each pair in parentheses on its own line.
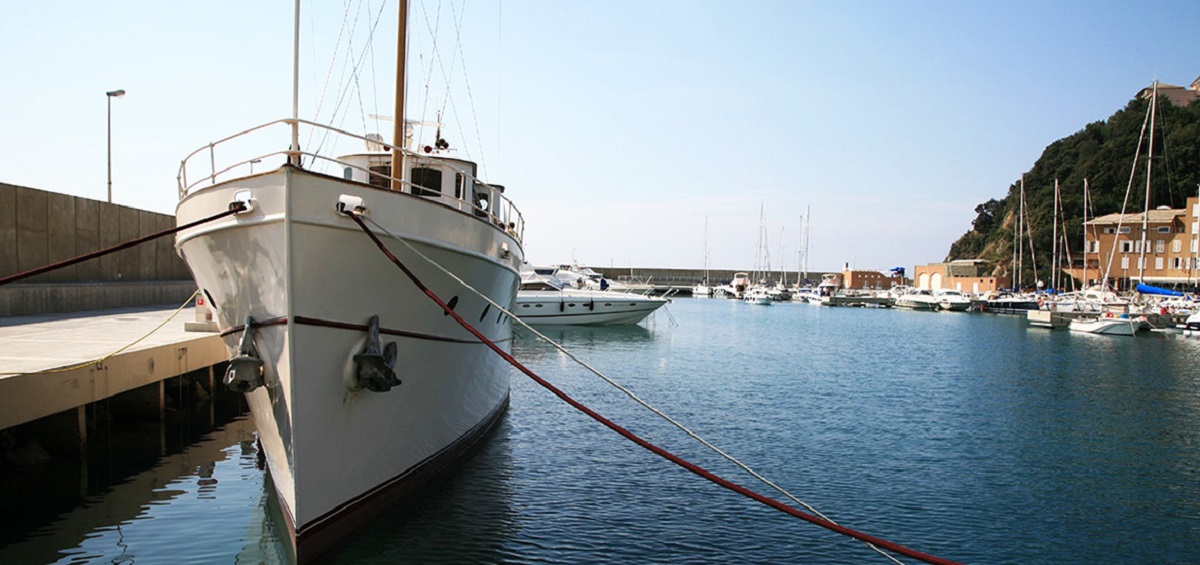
(964,275)
(1158,247)
(870,280)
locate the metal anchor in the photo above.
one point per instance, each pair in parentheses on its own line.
(245,371)
(375,368)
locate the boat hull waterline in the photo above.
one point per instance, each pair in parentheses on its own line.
(334,449)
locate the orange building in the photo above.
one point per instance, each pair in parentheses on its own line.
(968,276)
(1157,248)
(869,280)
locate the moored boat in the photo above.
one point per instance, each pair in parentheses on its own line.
(545,299)
(360,385)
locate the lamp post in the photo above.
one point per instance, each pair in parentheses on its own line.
(111,94)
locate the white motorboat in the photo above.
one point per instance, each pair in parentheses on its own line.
(360,385)
(918,299)
(738,286)
(1108,324)
(546,299)
(950,299)
(758,295)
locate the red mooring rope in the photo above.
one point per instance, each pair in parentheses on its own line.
(233,209)
(696,469)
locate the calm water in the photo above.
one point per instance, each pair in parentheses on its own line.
(967,436)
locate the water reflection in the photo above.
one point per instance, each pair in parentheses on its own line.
(464,514)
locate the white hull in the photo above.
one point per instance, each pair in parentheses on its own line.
(584,308)
(332,447)
(1105,326)
(917,303)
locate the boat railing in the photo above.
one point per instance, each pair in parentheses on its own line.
(483,200)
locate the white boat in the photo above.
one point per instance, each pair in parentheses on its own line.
(1107,324)
(950,299)
(758,295)
(738,286)
(359,384)
(544,299)
(829,286)
(918,299)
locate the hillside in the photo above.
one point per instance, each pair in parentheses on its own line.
(1102,152)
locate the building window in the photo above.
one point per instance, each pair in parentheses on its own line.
(1126,247)
(1195,227)
(1125,263)
(1123,229)
(1176,263)
(1164,229)
(1158,263)
(426,181)
(1110,230)
(1176,245)
(1160,246)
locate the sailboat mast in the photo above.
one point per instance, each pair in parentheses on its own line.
(399,123)
(1149,165)
(1054,247)
(1085,235)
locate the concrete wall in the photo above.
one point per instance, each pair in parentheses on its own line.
(39,227)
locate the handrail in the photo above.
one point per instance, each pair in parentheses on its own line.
(500,210)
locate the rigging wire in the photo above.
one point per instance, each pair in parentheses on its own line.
(602,376)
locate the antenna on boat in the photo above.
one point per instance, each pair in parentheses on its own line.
(294,150)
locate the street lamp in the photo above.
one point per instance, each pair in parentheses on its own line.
(111,94)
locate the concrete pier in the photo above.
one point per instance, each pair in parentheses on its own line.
(47,361)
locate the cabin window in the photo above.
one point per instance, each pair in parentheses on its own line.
(460,183)
(479,198)
(426,181)
(380,176)
(348,173)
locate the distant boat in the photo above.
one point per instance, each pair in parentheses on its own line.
(952,300)
(1108,324)
(702,288)
(545,299)
(758,295)
(918,299)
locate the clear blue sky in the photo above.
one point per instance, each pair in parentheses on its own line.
(617,126)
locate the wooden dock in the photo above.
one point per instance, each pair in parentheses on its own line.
(48,363)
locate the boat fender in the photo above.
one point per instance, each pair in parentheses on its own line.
(245,371)
(376,366)
(592,305)
(1109,315)
(561,306)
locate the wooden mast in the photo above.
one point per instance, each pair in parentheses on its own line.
(398,122)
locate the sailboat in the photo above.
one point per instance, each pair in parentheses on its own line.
(360,384)
(1121,323)
(703,289)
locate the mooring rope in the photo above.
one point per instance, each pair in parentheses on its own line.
(693,468)
(233,209)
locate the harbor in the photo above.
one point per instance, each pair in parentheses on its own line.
(986,423)
(347,301)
